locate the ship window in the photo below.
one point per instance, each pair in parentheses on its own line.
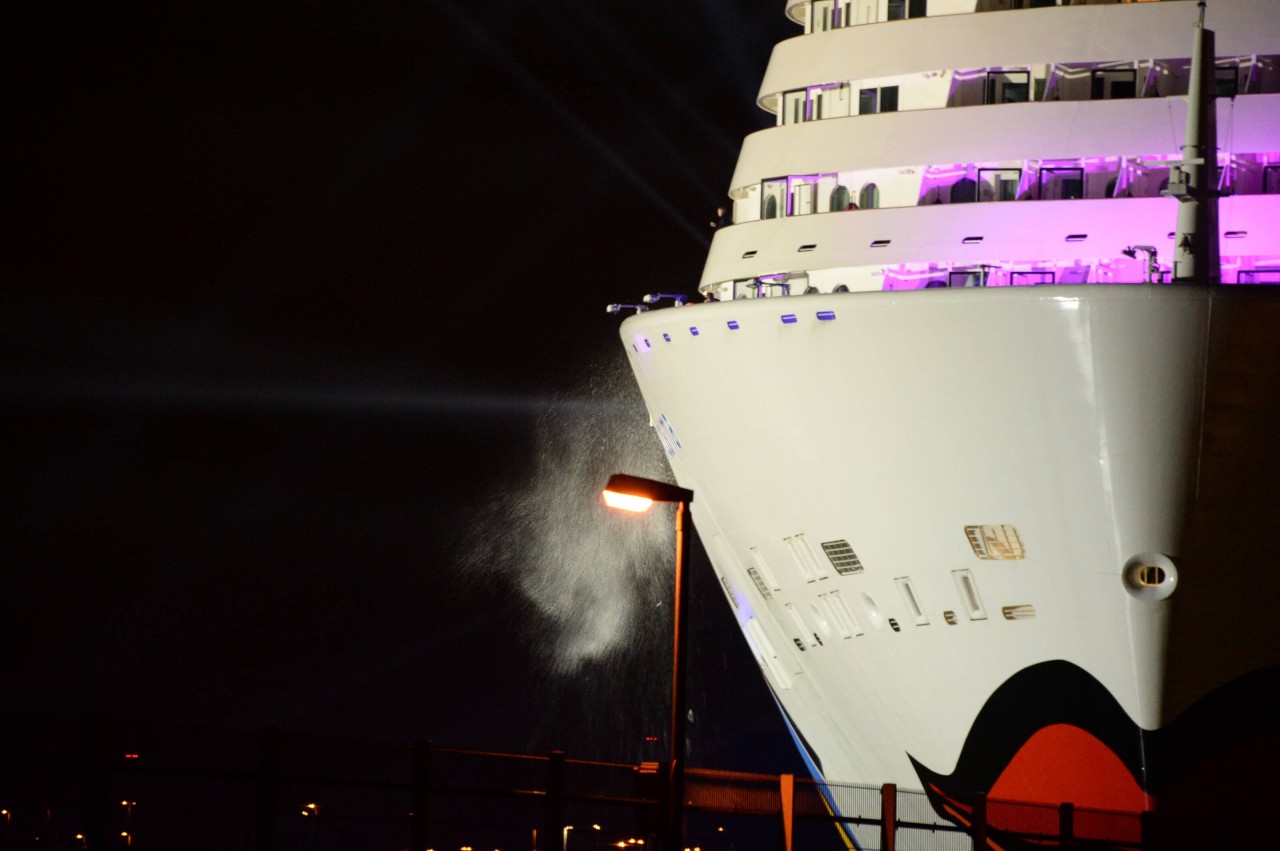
(950,617)
(840,553)
(869,197)
(1061,184)
(1113,83)
(1006,87)
(1024,279)
(900,9)
(958,278)
(839,198)
(964,191)
(793,106)
(1226,81)
(1271,180)
(871,101)
(867,101)
(1258,276)
(1022,612)
(775,191)
(999,184)
(828,15)
(968,588)
(889,99)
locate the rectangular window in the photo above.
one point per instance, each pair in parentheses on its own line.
(1060,184)
(793,106)
(998,184)
(1226,82)
(1114,83)
(1026,279)
(889,99)
(1271,180)
(824,16)
(867,101)
(1006,87)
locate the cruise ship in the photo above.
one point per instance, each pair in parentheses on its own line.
(980,398)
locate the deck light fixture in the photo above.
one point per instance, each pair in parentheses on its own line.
(633,493)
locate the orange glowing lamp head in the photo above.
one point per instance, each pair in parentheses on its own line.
(633,493)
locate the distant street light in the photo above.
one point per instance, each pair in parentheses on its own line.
(632,493)
(564,837)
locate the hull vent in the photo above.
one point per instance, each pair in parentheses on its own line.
(842,557)
(761,586)
(996,543)
(1023,612)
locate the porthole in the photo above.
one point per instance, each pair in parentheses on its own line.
(1150,576)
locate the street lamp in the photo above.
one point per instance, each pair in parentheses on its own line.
(564,837)
(632,493)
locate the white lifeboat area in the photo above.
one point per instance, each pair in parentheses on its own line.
(918,145)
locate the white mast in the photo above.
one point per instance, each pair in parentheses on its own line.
(1195,258)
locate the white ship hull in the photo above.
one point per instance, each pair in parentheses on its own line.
(998,539)
(1072,415)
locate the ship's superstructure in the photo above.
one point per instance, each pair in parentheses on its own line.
(992,499)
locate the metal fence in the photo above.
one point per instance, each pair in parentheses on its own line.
(94,785)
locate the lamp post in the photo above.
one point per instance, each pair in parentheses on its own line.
(632,493)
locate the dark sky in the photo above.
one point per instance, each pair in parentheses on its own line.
(293,293)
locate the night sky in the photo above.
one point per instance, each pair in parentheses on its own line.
(294,297)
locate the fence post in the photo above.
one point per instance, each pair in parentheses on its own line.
(268,787)
(1066,825)
(787,792)
(553,816)
(420,798)
(980,822)
(888,817)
